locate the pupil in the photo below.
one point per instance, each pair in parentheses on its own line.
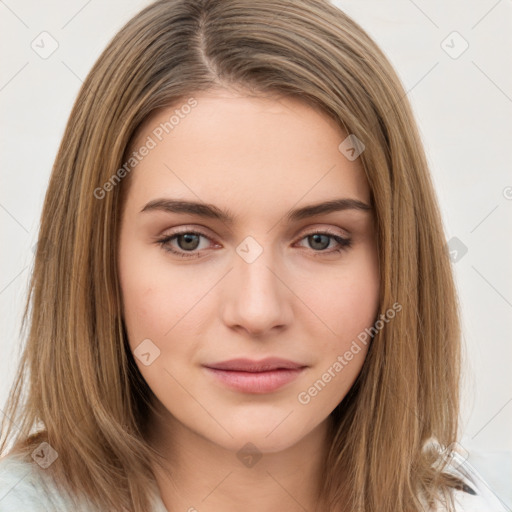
(190,239)
(316,238)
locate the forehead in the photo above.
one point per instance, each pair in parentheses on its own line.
(239,150)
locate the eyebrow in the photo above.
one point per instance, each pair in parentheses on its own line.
(213,212)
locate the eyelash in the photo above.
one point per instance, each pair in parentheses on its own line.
(344,243)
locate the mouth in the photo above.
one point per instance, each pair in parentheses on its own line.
(249,376)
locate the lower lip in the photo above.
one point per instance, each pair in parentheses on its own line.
(256,382)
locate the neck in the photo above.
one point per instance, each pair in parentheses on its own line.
(199,475)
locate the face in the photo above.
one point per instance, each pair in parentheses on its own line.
(250,273)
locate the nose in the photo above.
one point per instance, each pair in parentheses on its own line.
(257,296)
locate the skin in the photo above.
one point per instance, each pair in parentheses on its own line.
(258,158)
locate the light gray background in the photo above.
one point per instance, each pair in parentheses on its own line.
(463,105)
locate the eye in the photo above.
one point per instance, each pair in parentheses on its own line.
(188,242)
(320,241)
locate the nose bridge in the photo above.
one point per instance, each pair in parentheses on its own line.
(254,267)
(258,300)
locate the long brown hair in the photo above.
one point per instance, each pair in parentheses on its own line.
(77,385)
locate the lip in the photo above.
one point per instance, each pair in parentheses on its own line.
(249,376)
(250,365)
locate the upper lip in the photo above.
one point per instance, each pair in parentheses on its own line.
(248,365)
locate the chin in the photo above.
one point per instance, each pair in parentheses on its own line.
(267,434)
(259,442)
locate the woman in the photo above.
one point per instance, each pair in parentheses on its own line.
(240,295)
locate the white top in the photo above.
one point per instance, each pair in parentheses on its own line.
(22,483)
(25,487)
(477,496)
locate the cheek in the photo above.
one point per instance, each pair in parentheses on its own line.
(347,300)
(153,296)
(157,304)
(341,350)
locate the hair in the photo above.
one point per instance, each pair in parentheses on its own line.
(83,392)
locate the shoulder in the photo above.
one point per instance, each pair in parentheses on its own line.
(23,486)
(476,495)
